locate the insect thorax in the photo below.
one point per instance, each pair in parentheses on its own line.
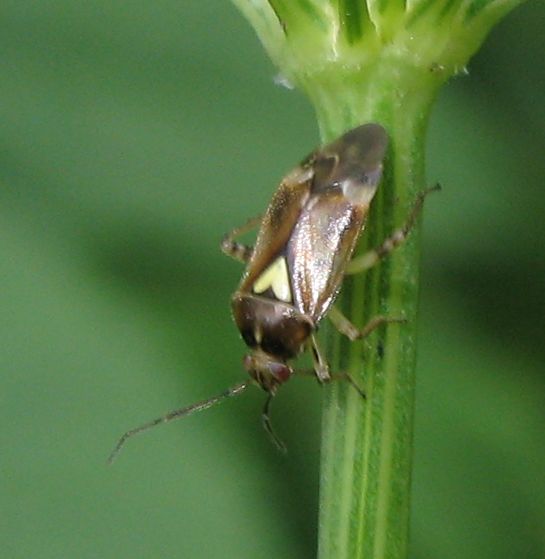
(276,328)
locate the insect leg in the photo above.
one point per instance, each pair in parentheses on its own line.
(335,376)
(351,331)
(239,251)
(322,372)
(321,368)
(372,257)
(348,378)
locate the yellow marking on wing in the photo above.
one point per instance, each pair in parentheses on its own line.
(276,278)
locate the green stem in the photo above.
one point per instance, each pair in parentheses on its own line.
(366,449)
(373,61)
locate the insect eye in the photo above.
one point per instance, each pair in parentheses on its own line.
(280,371)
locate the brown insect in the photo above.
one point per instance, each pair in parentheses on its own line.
(293,273)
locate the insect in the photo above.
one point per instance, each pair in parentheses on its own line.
(304,247)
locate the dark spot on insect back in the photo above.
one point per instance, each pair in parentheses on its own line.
(249,338)
(274,346)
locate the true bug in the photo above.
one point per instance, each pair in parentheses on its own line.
(293,273)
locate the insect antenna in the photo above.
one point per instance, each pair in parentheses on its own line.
(178,414)
(266,419)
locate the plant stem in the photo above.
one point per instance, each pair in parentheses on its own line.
(373,61)
(366,448)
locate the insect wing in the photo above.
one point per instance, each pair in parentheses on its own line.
(346,177)
(321,245)
(313,222)
(276,228)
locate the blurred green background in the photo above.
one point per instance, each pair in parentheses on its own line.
(133,135)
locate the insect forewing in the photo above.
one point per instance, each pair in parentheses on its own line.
(347,173)
(320,246)
(278,223)
(313,222)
